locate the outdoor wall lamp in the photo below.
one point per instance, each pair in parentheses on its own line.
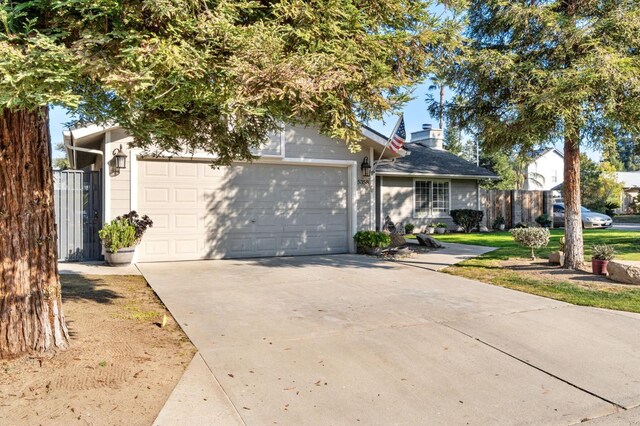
(120,159)
(365,167)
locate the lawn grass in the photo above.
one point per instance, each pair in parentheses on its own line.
(487,268)
(627,243)
(627,218)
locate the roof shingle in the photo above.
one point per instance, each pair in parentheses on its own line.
(428,161)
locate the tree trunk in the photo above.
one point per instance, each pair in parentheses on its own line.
(573,248)
(31,318)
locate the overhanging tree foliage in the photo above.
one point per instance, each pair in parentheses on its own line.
(183,75)
(541,71)
(599,185)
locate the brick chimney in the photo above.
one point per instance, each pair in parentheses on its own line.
(428,136)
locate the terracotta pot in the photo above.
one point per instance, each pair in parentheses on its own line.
(123,257)
(599,267)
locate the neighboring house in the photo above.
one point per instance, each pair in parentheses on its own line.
(631,188)
(545,171)
(304,195)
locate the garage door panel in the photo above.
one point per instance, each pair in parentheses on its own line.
(242,211)
(155,168)
(185,195)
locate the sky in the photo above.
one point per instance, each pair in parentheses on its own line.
(415,115)
(57,118)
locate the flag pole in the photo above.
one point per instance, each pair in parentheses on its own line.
(375,163)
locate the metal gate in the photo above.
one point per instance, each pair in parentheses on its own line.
(78,201)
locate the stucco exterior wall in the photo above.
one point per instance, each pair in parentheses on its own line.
(397,200)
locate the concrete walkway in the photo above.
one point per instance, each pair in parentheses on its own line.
(351,339)
(95,268)
(451,254)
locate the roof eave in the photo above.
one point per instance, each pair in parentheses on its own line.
(420,174)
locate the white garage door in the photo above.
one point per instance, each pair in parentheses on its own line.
(248,210)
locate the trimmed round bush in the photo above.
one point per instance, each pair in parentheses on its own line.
(532,238)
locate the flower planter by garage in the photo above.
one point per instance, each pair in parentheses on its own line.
(123,257)
(599,267)
(440,230)
(430,230)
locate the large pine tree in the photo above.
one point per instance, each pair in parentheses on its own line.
(536,71)
(183,75)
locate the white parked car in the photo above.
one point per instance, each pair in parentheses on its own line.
(589,219)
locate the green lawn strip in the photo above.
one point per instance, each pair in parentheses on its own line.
(623,300)
(627,218)
(627,243)
(487,267)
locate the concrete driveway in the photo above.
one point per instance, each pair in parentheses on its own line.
(349,339)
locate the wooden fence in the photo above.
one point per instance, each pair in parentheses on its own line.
(515,206)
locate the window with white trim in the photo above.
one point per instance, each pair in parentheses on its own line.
(422,196)
(431,198)
(440,199)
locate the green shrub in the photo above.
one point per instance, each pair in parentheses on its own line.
(118,234)
(372,239)
(543,220)
(409,227)
(610,206)
(441,225)
(521,225)
(467,218)
(531,237)
(603,252)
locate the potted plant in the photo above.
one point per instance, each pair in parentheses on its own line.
(121,236)
(408,228)
(441,228)
(431,228)
(499,223)
(601,254)
(371,242)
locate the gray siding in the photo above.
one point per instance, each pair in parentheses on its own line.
(364,194)
(397,200)
(306,142)
(273,146)
(120,191)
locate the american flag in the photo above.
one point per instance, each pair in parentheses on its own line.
(397,139)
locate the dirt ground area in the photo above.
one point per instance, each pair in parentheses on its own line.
(541,269)
(120,368)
